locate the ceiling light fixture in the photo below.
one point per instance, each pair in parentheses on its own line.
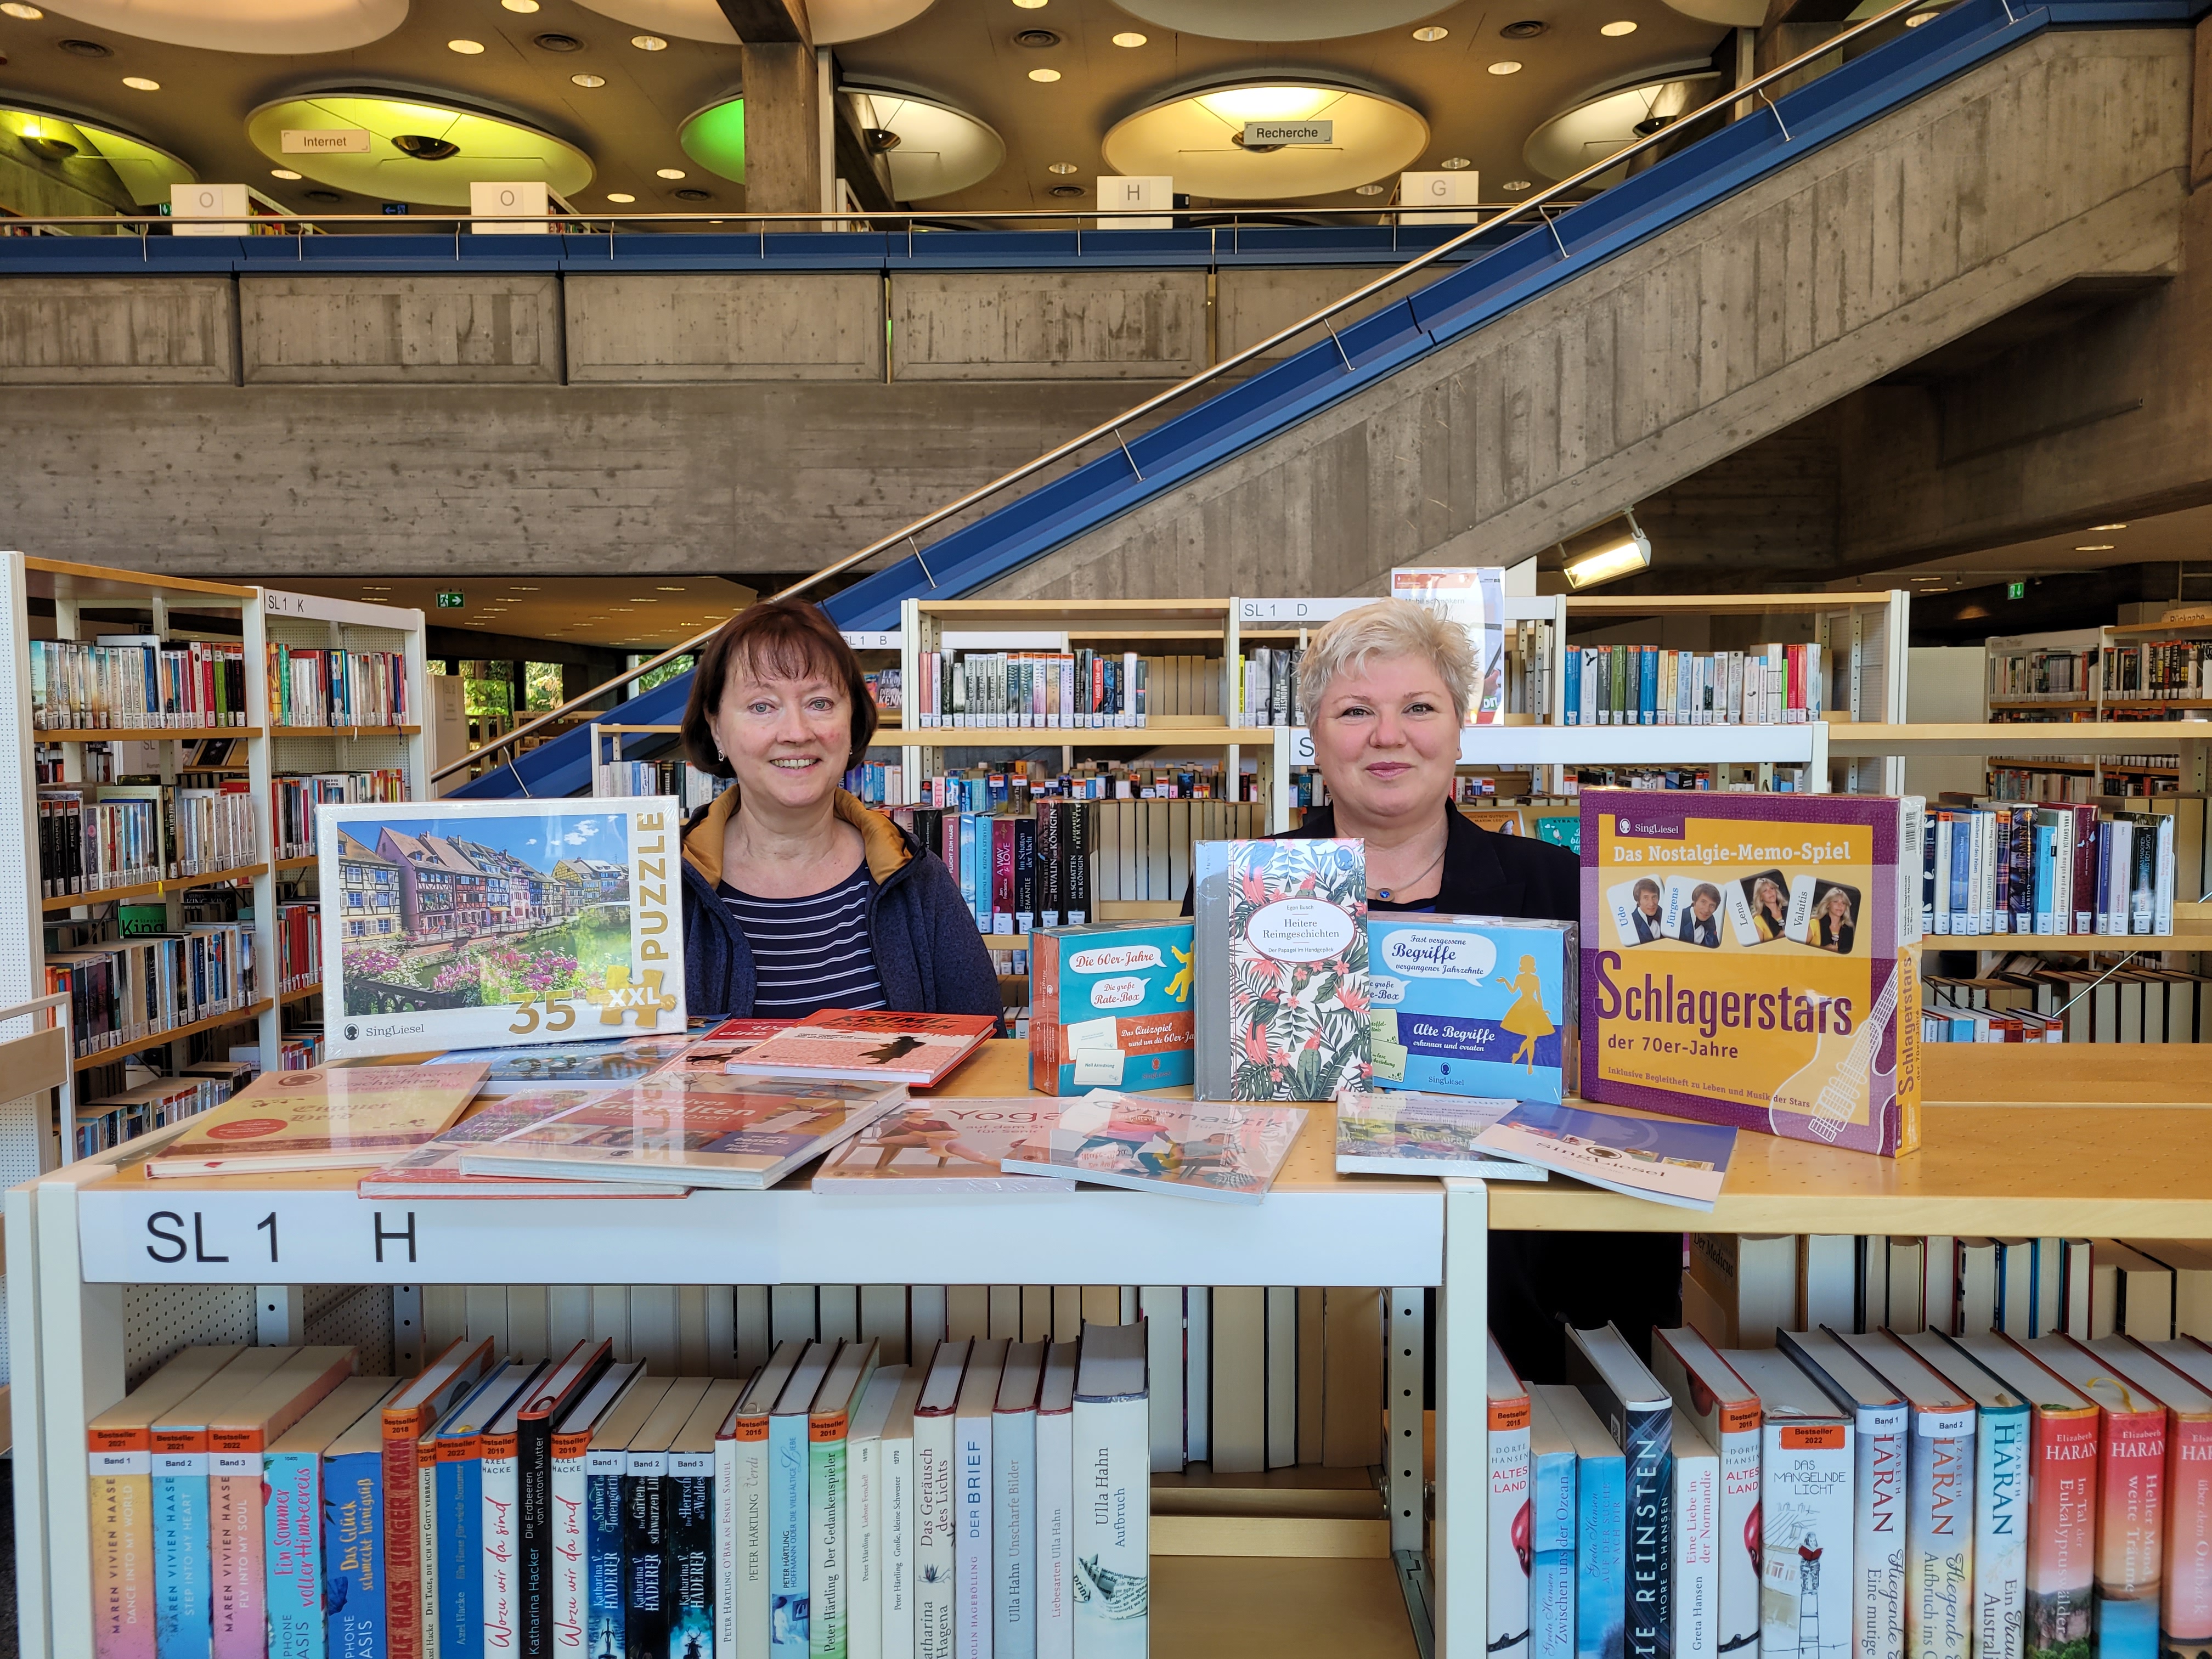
(1031,5)
(2095,547)
(16,8)
(2096,527)
(1455,163)
(1063,168)
(1616,30)
(552,40)
(1368,190)
(1434,31)
(1528,29)
(1129,38)
(1610,563)
(1517,183)
(140,83)
(1036,39)
(1065,192)
(285,173)
(77,48)
(1506,66)
(671,590)
(1919,18)
(1044,75)
(589,80)
(668,172)
(466,48)
(523,6)
(648,43)
(622,196)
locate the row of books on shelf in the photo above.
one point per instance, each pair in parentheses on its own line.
(295,797)
(140,986)
(2025,999)
(1058,690)
(1015,874)
(2053,870)
(325,688)
(1648,685)
(1013,786)
(994,1497)
(2038,783)
(126,1114)
(298,946)
(1781,780)
(94,837)
(1877,1494)
(133,680)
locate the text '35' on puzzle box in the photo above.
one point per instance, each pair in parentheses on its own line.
(1747,960)
(1111,1008)
(1471,1005)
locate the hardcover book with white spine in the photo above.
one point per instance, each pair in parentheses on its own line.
(1726,1413)
(899,1484)
(1881,1421)
(865,1529)
(1055,1504)
(828,1545)
(1112,1548)
(1805,1511)
(1697,1541)
(1939,1532)
(1508,1441)
(935,1503)
(1014,1503)
(741,1609)
(972,1559)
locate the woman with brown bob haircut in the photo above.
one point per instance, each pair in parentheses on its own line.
(797,896)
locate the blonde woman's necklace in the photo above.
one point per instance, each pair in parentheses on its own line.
(1383,893)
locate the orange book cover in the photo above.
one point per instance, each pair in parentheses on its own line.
(324,1118)
(407,1419)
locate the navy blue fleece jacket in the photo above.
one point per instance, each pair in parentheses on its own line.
(929,953)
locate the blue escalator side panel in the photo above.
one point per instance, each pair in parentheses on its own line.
(563,766)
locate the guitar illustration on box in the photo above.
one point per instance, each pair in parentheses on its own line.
(1829,1087)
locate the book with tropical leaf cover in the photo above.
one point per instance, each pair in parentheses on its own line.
(324,1118)
(434,1169)
(1413,1134)
(1282,969)
(1226,1152)
(919,1049)
(693,1128)
(942,1146)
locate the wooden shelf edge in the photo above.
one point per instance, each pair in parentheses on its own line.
(345,732)
(141,733)
(141,890)
(161,1039)
(290,997)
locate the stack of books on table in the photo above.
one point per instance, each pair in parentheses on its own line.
(265,1500)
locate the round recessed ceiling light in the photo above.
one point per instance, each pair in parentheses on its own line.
(1129,38)
(466,48)
(1455,163)
(1617,29)
(1044,75)
(140,83)
(668,172)
(589,80)
(2095,528)
(1368,190)
(17,9)
(1063,167)
(648,43)
(1526,29)
(1031,5)
(285,173)
(671,590)
(1516,183)
(524,6)
(1433,31)
(622,196)
(1506,66)
(2095,547)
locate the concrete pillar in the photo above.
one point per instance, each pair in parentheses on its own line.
(783,129)
(2200,121)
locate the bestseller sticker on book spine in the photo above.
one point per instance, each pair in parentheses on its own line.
(1743,964)
(488,924)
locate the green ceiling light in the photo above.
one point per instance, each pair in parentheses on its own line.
(143,172)
(715,139)
(417,151)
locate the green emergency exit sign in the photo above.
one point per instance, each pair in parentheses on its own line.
(2013,591)
(449,601)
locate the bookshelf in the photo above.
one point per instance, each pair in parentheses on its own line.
(2063,679)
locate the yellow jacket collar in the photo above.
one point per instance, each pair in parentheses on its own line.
(881,844)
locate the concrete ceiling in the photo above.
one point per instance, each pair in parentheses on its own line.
(640,613)
(2182,537)
(961,51)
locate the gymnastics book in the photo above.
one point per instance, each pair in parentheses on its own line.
(1112,1008)
(1282,970)
(1230,1154)
(1678,1163)
(1471,1005)
(920,1050)
(1746,960)
(943,1146)
(697,1131)
(324,1118)
(1418,1134)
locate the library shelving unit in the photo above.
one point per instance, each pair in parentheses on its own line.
(2071,707)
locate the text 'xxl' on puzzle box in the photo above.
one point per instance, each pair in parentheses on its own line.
(1746,960)
(1471,1005)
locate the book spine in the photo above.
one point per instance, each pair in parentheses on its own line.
(645,1585)
(971,1556)
(292,1547)
(1739,1524)
(238,1570)
(2001,1497)
(1696,1588)
(500,1528)
(864,1549)
(1013,1535)
(688,1502)
(352,1548)
(452,1544)
(606,1626)
(788,1609)
(827,1566)
(569,1547)
(1508,1574)
(726,1544)
(934,1530)
(1805,1542)
(121,1463)
(1878,1537)
(402,1567)
(750,1550)
(533,1466)
(1939,1536)
(2128,1548)
(1601,1557)
(1055,1525)
(2062,1536)
(1646,1437)
(1552,1553)
(1112,1543)
(2186,1619)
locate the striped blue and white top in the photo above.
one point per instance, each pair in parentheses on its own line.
(810,954)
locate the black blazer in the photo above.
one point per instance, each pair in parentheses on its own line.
(1485,873)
